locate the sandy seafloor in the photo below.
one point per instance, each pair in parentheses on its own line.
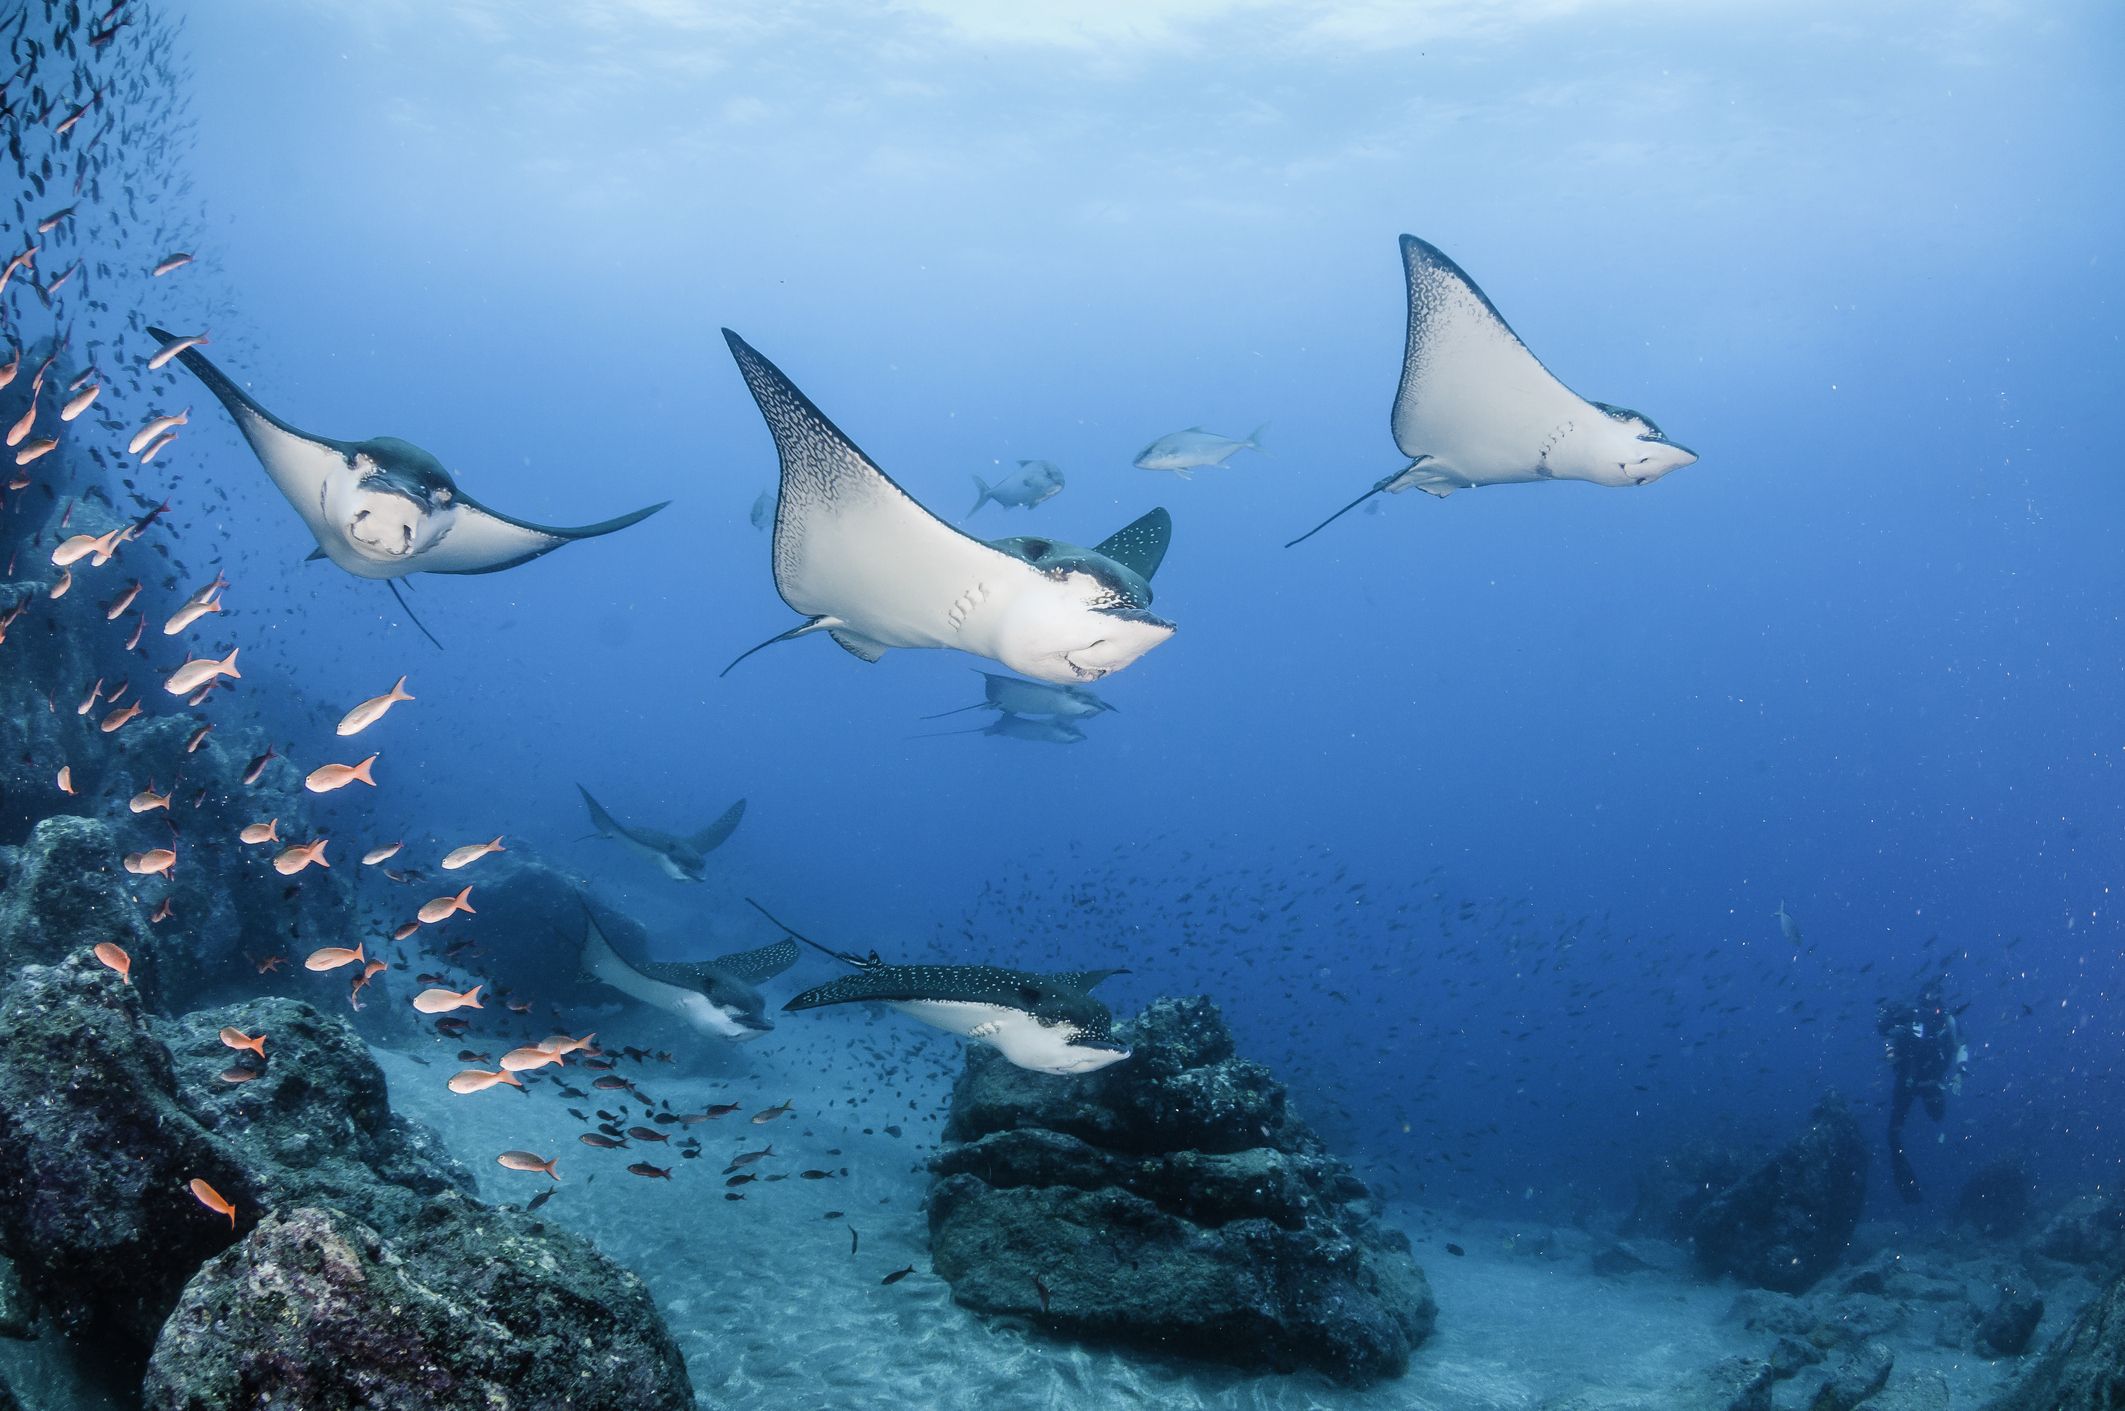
(771,1310)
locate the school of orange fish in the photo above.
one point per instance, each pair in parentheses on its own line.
(103,105)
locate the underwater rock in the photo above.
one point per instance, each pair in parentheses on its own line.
(1858,1375)
(1674,1190)
(1730,1384)
(95,1155)
(1172,1202)
(1638,1256)
(2084,1368)
(2007,1329)
(70,891)
(95,1167)
(315,1126)
(1918,1391)
(2089,1233)
(1787,1223)
(530,927)
(18,1314)
(1995,1201)
(468,1306)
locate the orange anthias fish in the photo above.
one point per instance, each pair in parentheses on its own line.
(333,957)
(147,799)
(473,1080)
(327,777)
(213,1200)
(114,956)
(383,854)
(440,1001)
(372,710)
(441,907)
(290,861)
(118,718)
(163,912)
(142,864)
(471,853)
(562,1043)
(156,428)
(237,1038)
(525,1161)
(266,832)
(406,930)
(200,670)
(98,547)
(522,1060)
(66,779)
(206,600)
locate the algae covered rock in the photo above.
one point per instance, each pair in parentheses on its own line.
(96,1153)
(467,1306)
(2084,1367)
(70,891)
(102,1130)
(1171,1202)
(1789,1222)
(315,1123)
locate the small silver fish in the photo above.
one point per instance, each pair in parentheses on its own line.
(1188,450)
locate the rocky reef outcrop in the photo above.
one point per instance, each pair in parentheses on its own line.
(2089,1233)
(1789,1222)
(471,1306)
(2084,1367)
(96,1153)
(108,1113)
(1172,1202)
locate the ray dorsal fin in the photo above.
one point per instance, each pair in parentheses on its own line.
(1141,544)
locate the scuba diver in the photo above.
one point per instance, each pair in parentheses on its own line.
(1925,1049)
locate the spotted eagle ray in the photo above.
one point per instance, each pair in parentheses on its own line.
(1477,408)
(384,508)
(1019,727)
(715,996)
(1015,697)
(867,565)
(682,859)
(1048,1023)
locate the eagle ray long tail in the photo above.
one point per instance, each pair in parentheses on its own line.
(978,705)
(845,957)
(1339,514)
(393,586)
(809,625)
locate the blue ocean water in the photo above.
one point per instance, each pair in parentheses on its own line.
(1533,766)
